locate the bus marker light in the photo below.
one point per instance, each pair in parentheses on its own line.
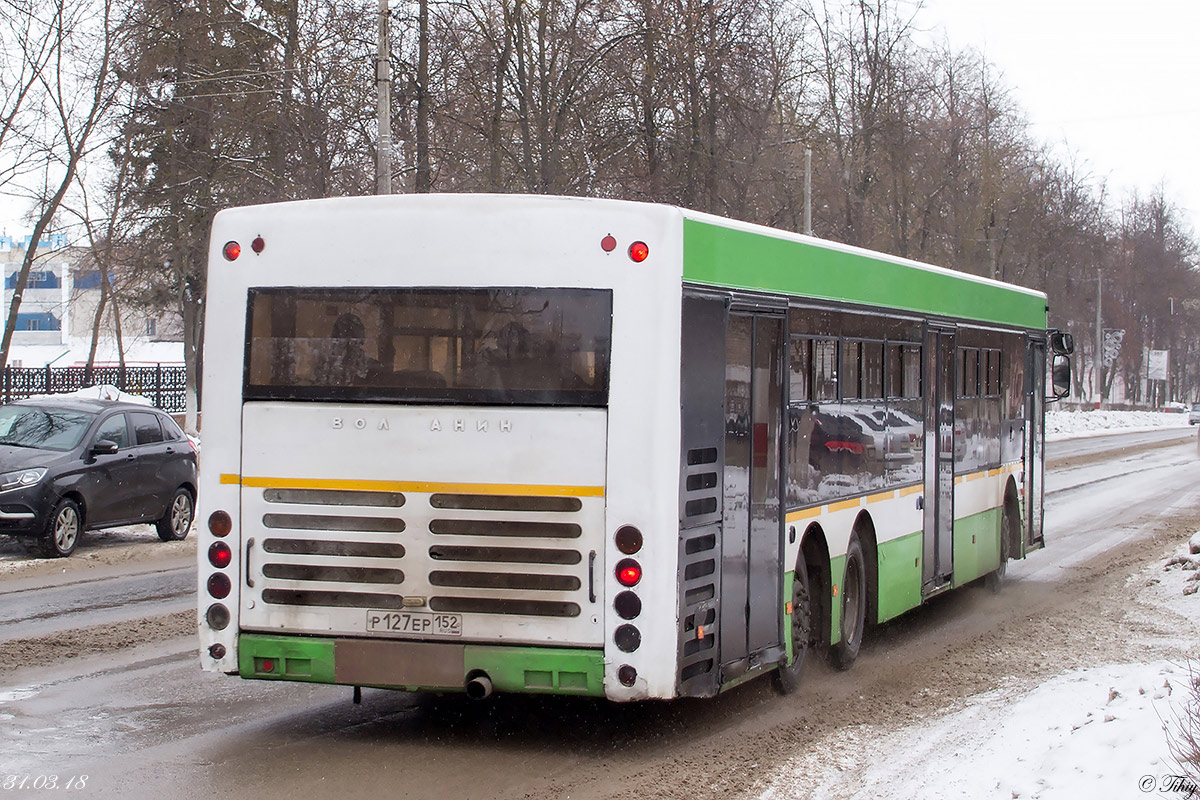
(219,555)
(217,651)
(629,572)
(258,244)
(268,665)
(608,243)
(231,251)
(638,252)
(220,523)
(835,590)
(788,611)
(699,631)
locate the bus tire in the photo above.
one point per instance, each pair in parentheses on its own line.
(787,677)
(995,579)
(854,607)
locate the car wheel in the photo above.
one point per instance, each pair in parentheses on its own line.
(854,607)
(176,523)
(62,530)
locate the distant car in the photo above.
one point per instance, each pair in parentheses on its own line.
(68,465)
(1194,414)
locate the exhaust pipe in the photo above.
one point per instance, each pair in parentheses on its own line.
(479,687)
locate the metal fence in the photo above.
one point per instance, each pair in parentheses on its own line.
(164,386)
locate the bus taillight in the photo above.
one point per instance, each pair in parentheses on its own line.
(217,617)
(220,523)
(219,555)
(219,585)
(629,539)
(629,572)
(639,252)
(231,251)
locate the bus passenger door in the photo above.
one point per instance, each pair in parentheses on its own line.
(752,538)
(938,562)
(1035,398)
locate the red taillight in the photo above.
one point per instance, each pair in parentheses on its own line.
(268,665)
(219,555)
(220,523)
(639,252)
(629,539)
(219,585)
(629,572)
(231,250)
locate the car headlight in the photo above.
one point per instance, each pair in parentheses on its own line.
(21,477)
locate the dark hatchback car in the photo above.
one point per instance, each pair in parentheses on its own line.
(70,464)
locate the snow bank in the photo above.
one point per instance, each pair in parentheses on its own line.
(1077,424)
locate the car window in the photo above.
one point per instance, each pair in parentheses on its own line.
(114,430)
(171,429)
(146,429)
(43,428)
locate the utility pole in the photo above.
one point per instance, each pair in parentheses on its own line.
(1099,365)
(383,89)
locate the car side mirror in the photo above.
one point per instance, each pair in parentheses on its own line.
(1060,377)
(104,447)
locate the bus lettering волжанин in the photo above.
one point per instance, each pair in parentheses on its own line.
(575,446)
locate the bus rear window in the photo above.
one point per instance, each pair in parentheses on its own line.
(482,346)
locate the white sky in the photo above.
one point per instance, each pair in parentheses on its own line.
(1115,83)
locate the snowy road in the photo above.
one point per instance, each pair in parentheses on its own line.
(141,721)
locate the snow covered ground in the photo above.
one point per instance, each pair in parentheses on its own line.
(1096,733)
(1075,424)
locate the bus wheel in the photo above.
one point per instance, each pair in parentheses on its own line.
(995,578)
(787,677)
(854,607)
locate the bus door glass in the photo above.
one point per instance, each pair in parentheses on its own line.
(938,564)
(752,537)
(1034,441)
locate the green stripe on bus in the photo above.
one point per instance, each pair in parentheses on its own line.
(540,670)
(900,575)
(976,545)
(719,256)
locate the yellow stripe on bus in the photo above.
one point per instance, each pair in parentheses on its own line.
(844,505)
(416,486)
(234,479)
(807,513)
(877,498)
(907,490)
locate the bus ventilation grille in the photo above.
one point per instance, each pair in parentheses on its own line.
(483,554)
(701,503)
(699,558)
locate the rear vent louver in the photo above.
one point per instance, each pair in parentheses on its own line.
(700,490)
(477,554)
(699,556)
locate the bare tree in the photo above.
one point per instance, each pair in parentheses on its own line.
(76,91)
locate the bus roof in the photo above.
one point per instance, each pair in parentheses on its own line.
(725,253)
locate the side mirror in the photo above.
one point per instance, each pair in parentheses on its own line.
(1060,377)
(1062,344)
(103,447)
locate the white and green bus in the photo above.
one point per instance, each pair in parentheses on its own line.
(540,444)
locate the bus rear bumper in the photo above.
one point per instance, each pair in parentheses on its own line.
(420,666)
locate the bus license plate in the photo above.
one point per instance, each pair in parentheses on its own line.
(414,623)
